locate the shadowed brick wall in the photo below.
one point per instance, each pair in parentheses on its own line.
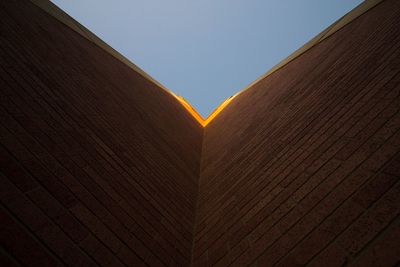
(98,165)
(101,167)
(303,168)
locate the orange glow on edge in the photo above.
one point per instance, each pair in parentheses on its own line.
(197,116)
(191,110)
(217,110)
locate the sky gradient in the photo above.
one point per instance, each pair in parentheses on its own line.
(206,50)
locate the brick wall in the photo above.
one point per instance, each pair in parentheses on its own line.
(101,167)
(303,168)
(98,165)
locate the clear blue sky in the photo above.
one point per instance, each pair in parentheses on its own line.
(206,50)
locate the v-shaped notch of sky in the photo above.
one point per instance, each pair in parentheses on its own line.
(206,50)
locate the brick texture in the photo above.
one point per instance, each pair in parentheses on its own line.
(302,168)
(101,167)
